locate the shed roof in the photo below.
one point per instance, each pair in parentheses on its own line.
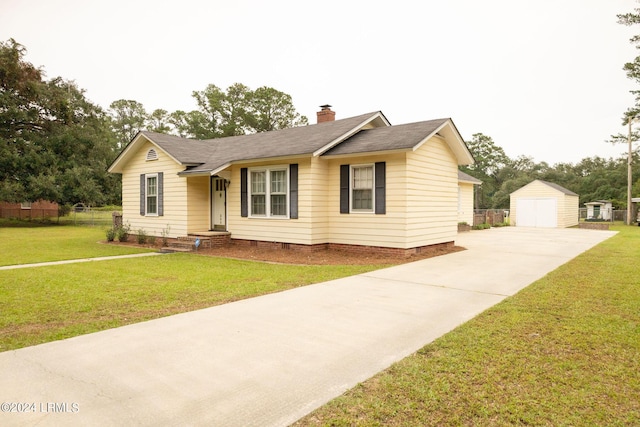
(558,187)
(550,184)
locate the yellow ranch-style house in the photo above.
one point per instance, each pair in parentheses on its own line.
(357,183)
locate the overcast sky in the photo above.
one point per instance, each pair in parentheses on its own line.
(543,78)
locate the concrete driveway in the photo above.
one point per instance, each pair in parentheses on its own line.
(270,360)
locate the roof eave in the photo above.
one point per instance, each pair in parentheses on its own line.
(365,153)
(195,172)
(116,165)
(217,169)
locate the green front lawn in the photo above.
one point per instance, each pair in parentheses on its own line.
(26,243)
(563,351)
(42,304)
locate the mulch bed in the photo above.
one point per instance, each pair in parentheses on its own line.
(325,257)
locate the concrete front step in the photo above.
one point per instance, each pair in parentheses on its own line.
(188,243)
(214,239)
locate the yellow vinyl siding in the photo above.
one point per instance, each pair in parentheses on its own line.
(198,204)
(421,200)
(369,228)
(296,231)
(432,194)
(316,200)
(571,211)
(465,206)
(175,194)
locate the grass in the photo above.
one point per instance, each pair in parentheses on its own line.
(43,304)
(563,351)
(25,243)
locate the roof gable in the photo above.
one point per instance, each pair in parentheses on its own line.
(167,146)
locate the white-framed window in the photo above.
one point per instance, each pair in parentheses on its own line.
(151,192)
(269,192)
(362,188)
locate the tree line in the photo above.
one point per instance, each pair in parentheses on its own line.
(592,178)
(56,145)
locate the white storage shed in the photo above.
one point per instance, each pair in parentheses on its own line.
(544,204)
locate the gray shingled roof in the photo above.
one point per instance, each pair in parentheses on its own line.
(211,154)
(186,151)
(399,137)
(559,188)
(338,137)
(466,177)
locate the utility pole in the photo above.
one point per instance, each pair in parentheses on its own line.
(629,174)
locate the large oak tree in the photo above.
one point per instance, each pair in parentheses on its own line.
(54,143)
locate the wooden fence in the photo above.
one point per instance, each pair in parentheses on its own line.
(489,216)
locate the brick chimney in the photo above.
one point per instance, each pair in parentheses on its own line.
(326,115)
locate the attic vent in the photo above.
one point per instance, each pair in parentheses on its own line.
(152,155)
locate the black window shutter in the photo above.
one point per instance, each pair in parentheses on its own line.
(344,189)
(380,178)
(143,203)
(160,194)
(244,203)
(293,191)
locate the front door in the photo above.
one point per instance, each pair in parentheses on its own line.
(218,204)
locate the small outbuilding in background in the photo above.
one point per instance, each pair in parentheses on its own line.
(600,209)
(636,210)
(544,204)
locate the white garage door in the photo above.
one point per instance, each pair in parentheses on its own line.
(537,212)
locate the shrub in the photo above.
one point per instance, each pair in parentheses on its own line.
(111,234)
(481,226)
(122,232)
(141,237)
